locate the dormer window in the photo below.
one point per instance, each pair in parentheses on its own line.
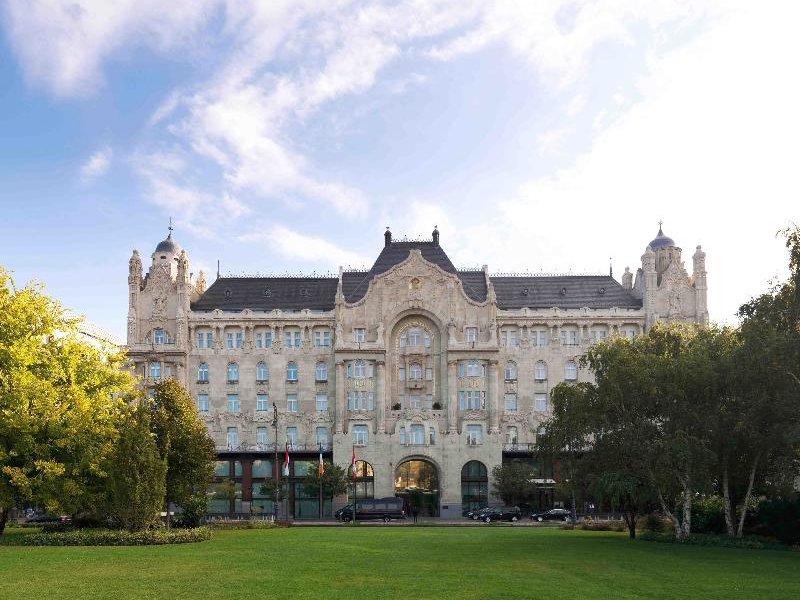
(159,337)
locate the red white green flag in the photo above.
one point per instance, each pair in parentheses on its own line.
(353,464)
(321,465)
(286,463)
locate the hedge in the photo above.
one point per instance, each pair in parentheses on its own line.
(721,541)
(116,537)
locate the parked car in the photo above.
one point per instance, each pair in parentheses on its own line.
(554,514)
(373,508)
(475,513)
(48,519)
(505,513)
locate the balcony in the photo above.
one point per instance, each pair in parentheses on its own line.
(270,448)
(519,448)
(415,384)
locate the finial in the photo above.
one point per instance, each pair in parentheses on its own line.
(170,227)
(660,223)
(217,268)
(610,268)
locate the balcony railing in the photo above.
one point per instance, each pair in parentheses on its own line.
(270,447)
(517,447)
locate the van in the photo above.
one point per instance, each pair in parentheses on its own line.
(374,508)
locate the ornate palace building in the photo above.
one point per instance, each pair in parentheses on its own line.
(434,374)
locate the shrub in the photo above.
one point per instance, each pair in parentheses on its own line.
(602,526)
(654,521)
(720,541)
(781,517)
(116,537)
(708,515)
(246,524)
(194,510)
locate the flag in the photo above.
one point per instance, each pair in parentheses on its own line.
(321,465)
(286,463)
(353,463)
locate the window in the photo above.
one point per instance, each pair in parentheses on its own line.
(202,373)
(202,402)
(322,338)
(432,435)
(417,437)
(155,369)
(540,337)
(233,372)
(205,340)
(262,402)
(359,401)
(233,403)
(471,334)
(472,368)
(292,338)
(511,402)
(571,371)
(322,402)
(599,335)
(471,399)
(511,371)
(401,374)
(360,368)
(291,371)
(322,371)
(291,402)
(628,332)
(508,338)
(264,339)
(234,339)
(262,374)
(415,372)
(403,440)
(540,402)
(569,337)
(291,437)
(360,435)
(158,337)
(322,436)
(261,436)
(233,437)
(414,336)
(429,402)
(540,371)
(413,402)
(474,435)
(428,374)
(511,436)
(359,335)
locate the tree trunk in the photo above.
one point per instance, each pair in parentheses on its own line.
(675,523)
(630,520)
(168,519)
(747,496)
(726,497)
(3,519)
(686,526)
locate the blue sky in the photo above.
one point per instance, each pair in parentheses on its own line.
(284,136)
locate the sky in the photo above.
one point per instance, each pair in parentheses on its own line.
(283,137)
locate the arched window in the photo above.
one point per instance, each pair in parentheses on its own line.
(262,373)
(540,371)
(358,368)
(365,479)
(322,371)
(291,371)
(415,371)
(511,371)
(202,372)
(473,369)
(233,372)
(571,371)
(474,486)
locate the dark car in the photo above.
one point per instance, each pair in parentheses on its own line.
(555,514)
(475,513)
(373,508)
(48,519)
(505,513)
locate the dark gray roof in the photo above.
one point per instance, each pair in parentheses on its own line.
(565,291)
(268,293)
(169,245)
(661,240)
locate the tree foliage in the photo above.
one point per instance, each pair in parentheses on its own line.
(137,481)
(60,399)
(183,441)
(513,482)
(334,480)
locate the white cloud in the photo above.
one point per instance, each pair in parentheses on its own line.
(710,148)
(299,247)
(97,164)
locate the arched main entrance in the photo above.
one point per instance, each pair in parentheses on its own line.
(416,481)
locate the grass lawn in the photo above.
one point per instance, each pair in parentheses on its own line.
(400,562)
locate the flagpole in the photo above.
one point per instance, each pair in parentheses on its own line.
(321,473)
(355,490)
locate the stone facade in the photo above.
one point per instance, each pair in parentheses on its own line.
(412,360)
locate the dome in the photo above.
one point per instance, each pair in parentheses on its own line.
(169,245)
(661,241)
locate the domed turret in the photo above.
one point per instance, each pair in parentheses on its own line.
(661,240)
(169,245)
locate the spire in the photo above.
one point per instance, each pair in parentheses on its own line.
(660,232)
(610,267)
(387,237)
(170,228)
(436,235)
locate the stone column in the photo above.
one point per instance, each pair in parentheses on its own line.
(380,396)
(494,417)
(339,415)
(452,396)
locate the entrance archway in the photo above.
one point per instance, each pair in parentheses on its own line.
(416,481)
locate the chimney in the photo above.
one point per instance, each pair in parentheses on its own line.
(387,237)
(436,235)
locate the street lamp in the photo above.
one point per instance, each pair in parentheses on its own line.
(277,497)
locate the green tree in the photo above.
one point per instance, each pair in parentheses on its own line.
(334,480)
(137,481)
(513,482)
(183,441)
(60,399)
